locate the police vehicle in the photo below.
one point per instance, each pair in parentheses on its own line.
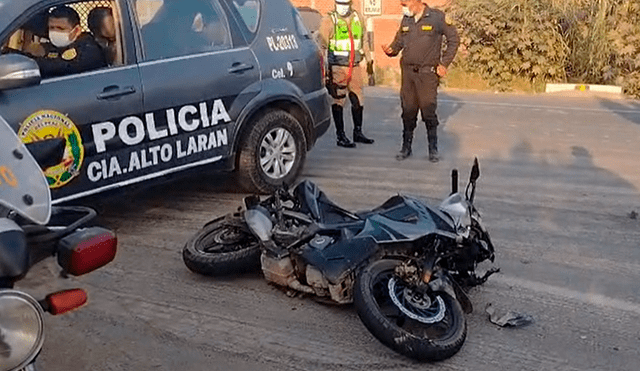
(222,84)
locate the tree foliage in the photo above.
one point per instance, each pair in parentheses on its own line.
(586,41)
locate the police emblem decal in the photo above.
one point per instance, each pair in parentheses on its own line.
(51,124)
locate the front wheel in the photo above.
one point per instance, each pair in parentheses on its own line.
(222,247)
(426,327)
(272,151)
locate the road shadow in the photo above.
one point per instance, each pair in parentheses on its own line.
(627,109)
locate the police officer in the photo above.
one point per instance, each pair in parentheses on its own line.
(70,50)
(422,64)
(345,42)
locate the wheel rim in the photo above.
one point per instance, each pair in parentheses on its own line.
(277,153)
(425,317)
(225,239)
(416,306)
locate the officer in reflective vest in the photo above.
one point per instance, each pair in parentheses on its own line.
(344,38)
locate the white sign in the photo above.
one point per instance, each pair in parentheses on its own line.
(372,7)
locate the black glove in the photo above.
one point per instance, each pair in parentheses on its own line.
(370,68)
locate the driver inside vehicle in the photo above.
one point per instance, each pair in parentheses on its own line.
(69,50)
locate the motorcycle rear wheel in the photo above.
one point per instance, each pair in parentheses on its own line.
(223,246)
(426,328)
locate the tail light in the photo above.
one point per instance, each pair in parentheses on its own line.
(64,301)
(86,250)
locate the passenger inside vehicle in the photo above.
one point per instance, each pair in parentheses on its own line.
(62,49)
(183,27)
(102,25)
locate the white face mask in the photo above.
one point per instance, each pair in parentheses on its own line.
(343,9)
(59,39)
(406,12)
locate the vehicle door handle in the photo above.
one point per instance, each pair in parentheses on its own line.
(115,91)
(239,67)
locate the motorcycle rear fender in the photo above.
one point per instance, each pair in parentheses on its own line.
(445,283)
(14,255)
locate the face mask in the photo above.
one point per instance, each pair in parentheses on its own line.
(406,12)
(342,9)
(59,39)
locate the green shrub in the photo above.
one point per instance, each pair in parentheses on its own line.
(540,41)
(507,40)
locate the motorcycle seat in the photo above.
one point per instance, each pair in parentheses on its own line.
(315,203)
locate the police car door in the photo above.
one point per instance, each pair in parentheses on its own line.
(195,67)
(71,105)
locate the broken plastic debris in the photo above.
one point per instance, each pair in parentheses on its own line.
(510,318)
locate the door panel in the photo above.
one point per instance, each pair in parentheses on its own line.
(192,79)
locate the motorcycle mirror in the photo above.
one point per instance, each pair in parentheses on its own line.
(475,171)
(454,181)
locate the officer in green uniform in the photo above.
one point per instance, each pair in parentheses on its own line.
(344,35)
(70,50)
(422,64)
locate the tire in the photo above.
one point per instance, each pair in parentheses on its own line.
(395,327)
(272,152)
(222,247)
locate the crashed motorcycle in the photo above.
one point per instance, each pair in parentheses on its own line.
(30,231)
(405,265)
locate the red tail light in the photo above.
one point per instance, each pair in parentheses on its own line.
(64,301)
(86,250)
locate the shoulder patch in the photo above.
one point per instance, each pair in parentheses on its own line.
(69,54)
(405,28)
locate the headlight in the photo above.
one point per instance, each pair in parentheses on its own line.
(21,329)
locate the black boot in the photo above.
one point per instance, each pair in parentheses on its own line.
(356,113)
(342,139)
(407,138)
(432,138)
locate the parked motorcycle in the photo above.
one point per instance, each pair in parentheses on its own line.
(405,264)
(30,231)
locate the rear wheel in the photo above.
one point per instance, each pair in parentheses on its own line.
(272,152)
(222,247)
(426,327)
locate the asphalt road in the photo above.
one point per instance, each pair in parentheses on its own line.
(559,191)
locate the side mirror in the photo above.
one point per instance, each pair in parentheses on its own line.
(17,71)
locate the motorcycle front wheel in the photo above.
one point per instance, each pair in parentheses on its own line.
(223,246)
(429,327)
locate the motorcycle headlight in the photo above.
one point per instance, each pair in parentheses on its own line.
(21,329)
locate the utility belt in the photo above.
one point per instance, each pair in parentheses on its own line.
(419,68)
(341,58)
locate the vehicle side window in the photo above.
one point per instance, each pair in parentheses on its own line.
(70,38)
(174,28)
(249,11)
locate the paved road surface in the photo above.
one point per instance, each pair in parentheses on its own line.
(559,191)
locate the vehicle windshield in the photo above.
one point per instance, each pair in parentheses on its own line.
(23,186)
